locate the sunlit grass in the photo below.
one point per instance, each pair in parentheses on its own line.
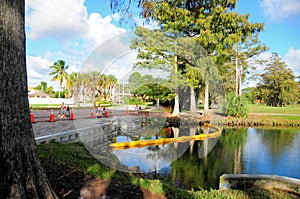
(44,106)
(289,109)
(282,117)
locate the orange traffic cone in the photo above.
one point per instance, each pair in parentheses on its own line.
(92,115)
(31,116)
(106,113)
(51,116)
(72,115)
(127,112)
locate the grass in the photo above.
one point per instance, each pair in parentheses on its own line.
(77,157)
(49,106)
(282,117)
(289,109)
(44,106)
(289,113)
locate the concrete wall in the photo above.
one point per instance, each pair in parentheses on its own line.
(90,136)
(50,101)
(243,181)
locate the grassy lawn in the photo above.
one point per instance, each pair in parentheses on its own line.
(290,109)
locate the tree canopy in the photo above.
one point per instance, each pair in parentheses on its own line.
(210,24)
(278,86)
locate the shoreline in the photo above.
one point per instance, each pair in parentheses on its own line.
(254,120)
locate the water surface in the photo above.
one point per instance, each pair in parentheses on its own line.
(197,164)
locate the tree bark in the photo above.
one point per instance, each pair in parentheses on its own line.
(238,76)
(240,80)
(193,107)
(176,105)
(21,173)
(206,98)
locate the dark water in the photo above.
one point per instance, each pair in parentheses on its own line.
(197,164)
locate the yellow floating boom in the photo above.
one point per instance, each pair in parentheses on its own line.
(143,143)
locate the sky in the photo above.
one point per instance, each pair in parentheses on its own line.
(76,31)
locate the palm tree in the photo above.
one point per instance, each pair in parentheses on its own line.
(111,80)
(59,71)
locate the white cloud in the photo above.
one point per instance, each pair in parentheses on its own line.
(70,25)
(100,30)
(280,9)
(116,16)
(37,70)
(292,58)
(113,56)
(57,19)
(68,19)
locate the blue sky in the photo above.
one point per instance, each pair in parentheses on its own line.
(73,29)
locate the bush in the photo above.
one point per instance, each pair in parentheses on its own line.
(236,106)
(135,101)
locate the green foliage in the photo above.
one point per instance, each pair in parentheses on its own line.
(278,86)
(59,71)
(94,85)
(148,88)
(60,94)
(184,27)
(135,101)
(236,106)
(43,87)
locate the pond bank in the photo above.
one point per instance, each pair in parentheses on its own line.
(253,120)
(74,173)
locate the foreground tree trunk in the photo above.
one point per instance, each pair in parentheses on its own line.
(21,173)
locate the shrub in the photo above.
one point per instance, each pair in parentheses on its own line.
(236,106)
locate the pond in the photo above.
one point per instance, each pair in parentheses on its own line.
(238,151)
(195,164)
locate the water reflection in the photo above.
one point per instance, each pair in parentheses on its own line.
(195,164)
(276,152)
(154,158)
(250,151)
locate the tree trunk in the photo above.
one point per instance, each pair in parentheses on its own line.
(237,167)
(240,80)
(193,131)
(206,98)
(193,108)
(176,105)
(21,173)
(238,76)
